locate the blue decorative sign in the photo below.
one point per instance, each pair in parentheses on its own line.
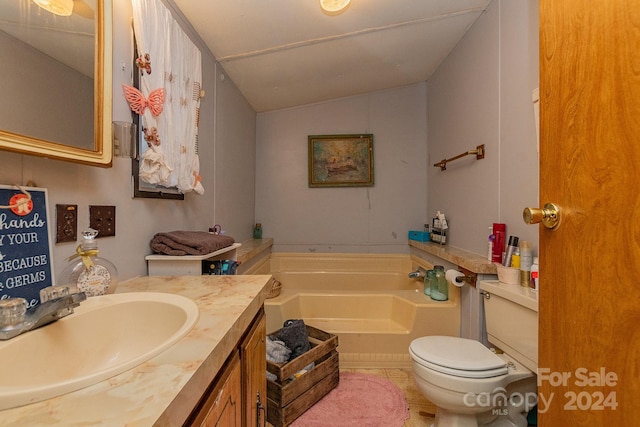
(25,244)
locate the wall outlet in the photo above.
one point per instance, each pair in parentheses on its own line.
(103,219)
(66,223)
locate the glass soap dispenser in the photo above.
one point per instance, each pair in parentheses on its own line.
(90,274)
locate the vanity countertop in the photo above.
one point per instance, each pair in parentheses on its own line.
(463,258)
(163,390)
(250,248)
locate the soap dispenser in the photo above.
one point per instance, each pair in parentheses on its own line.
(87,271)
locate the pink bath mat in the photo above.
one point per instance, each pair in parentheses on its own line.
(359,400)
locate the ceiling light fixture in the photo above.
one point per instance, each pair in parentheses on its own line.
(334,7)
(57,7)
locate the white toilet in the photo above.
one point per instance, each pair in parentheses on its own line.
(470,384)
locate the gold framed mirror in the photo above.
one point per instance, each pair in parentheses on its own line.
(57,59)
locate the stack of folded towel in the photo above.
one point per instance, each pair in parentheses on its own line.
(288,343)
(189,243)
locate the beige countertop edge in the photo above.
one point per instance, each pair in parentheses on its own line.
(463,258)
(163,390)
(252,247)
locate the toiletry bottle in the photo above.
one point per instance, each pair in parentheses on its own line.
(526,260)
(257,231)
(492,238)
(513,244)
(436,232)
(440,291)
(515,258)
(88,272)
(499,231)
(444,225)
(534,274)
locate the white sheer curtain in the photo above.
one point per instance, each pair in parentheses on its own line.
(173,69)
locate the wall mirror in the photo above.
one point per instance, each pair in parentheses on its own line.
(55,81)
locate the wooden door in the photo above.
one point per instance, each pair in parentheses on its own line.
(589,343)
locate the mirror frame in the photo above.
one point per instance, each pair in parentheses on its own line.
(102,153)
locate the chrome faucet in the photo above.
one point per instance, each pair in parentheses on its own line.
(56,303)
(420,273)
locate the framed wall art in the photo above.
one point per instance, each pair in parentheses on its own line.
(25,243)
(341,160)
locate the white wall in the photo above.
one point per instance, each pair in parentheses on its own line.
(351,219)
(227,178)
(481,94)
(235,159)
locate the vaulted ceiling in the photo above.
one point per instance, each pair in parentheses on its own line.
(285,53)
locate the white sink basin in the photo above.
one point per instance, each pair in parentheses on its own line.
(105,336)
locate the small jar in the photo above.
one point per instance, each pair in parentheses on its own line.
(429,279)
(257,231)
(440,292)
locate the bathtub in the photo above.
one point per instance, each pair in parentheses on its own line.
(368,300)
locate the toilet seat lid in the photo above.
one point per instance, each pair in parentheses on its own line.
(458,356)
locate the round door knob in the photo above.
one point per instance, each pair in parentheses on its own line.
(549,216)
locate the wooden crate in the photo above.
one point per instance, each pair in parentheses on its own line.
(287,400)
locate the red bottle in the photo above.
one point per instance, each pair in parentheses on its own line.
(500,231)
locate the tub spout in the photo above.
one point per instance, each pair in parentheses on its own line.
(419,273)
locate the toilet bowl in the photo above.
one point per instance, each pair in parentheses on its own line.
(469,384)
(472,385)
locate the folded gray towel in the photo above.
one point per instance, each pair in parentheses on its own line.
(277,352)
(189,243)
(294,335)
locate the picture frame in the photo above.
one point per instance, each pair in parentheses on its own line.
(341,160)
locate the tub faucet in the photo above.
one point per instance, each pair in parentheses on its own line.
(420,273)
(56,303)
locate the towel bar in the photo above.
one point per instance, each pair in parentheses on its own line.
(479,152)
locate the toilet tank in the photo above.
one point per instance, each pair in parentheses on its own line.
(511,315)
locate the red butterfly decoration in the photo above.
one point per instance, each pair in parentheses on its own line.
(138,103)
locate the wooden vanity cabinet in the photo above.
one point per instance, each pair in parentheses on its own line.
(253,353)
(237,397)
(222,404)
